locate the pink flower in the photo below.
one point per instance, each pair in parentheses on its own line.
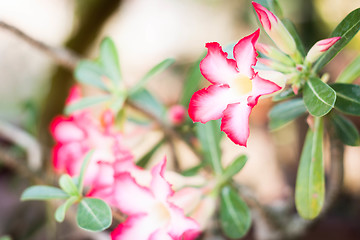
(275,29)
(234,91)
(80,132)
(151,216)
(176,114)
(319,48)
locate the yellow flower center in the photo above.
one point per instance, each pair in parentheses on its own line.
(161,213)
(242,85)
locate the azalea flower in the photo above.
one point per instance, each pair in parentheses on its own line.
(80,132)
(151,216)
(234,91)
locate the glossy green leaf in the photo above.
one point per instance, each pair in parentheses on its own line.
(93,214)
(210,135)
(62,209)
(350,73)
(284,95)
(146,100)
(347,29)
(67,184)
(43,193)
(144,160)
(192,82)
(155,70)
(5,238)
(235,215)
(285,112)
(86,102)
(347,98)
(233,169)
(292,30)
(84,166)
(110,61)
(345,130)
(310,181)
(272,5)
(90,73)
(319,98)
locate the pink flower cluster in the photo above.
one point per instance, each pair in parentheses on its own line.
(145,196)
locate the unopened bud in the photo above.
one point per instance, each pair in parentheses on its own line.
(177,114)
(320,48)
(275,29)
(274,53)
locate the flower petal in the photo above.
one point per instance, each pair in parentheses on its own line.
(235,122)
(65,130)
(209,103)
(159,186)
(215,67)
(131,198)
(139,227)
(180,224)
(261,87)
(245,54)
(160,234)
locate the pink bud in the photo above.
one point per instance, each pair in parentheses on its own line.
(275,29)
(107,118)
(176,114)
(319,48)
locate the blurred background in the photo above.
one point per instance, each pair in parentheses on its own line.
(33,90)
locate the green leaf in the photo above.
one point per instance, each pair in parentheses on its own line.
(86,102)
(345,130)
(84,166)
(233,169)
(285,112)
(110,61)
(67,184)
(155,70)
(234,214)
(273,6)
(284,95)
(310,181)
(90,73)
(193,170)
(292,30)
(347,98)
(192,82)
(347,29)
(145,99)
(319,98)
(93,214)
(142,162)
(43,193)
(62,209)
(350,73)
(210,135)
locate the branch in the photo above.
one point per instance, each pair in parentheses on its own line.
(26,141)
(62,57)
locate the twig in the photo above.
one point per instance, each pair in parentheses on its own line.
(62,56)
(21,138)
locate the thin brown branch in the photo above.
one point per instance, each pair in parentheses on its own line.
(61,56)
(21,138)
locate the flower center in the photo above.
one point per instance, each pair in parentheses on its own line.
(242,85)
(160,213)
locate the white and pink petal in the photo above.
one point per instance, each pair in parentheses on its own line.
(209,103)
(235,122)
(216,67)
(245,54)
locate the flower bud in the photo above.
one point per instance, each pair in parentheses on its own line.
(274,53)
(319,48)
(275,29)
(177,114)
